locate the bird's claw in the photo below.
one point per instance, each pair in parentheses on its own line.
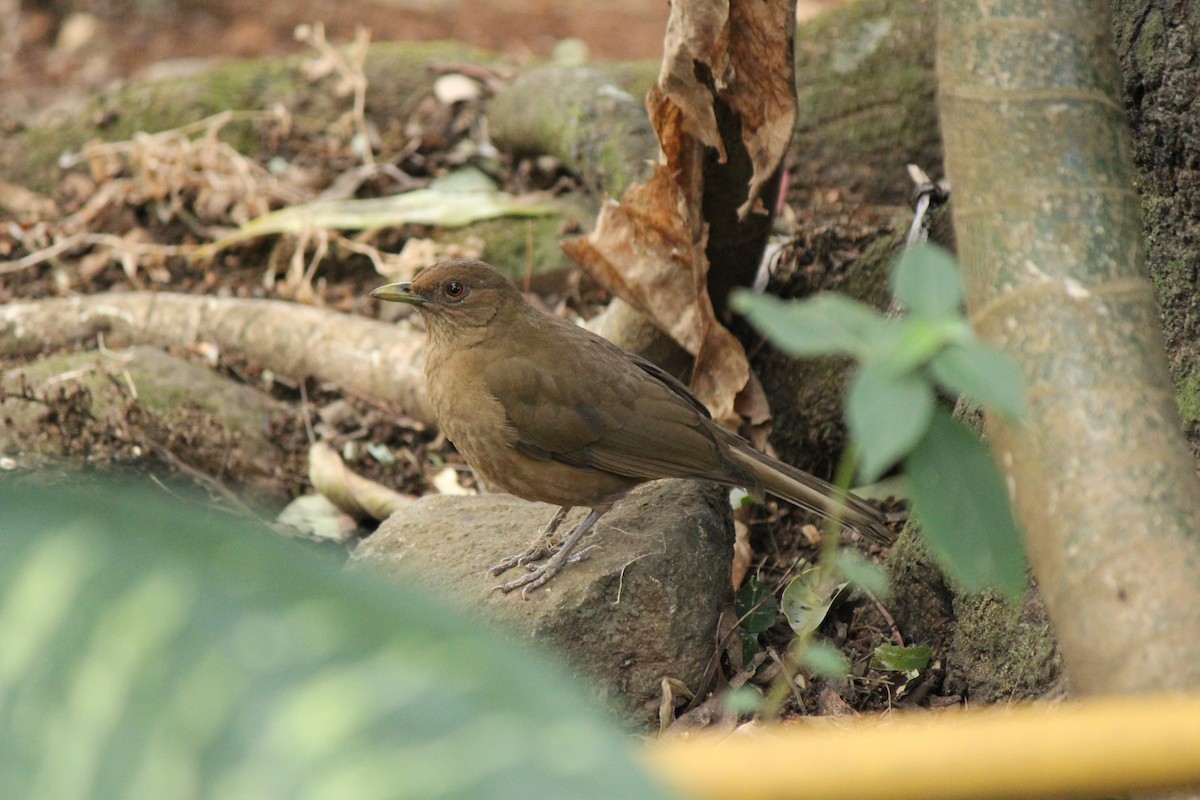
(540,574)
(583,555)
(526,557)
(545,546)
(561,554)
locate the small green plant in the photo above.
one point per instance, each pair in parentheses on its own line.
(894,658)
(756,608)
(911,661)
(893,414)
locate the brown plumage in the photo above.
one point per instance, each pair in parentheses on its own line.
(551,412)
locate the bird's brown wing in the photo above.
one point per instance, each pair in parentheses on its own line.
(599,408)
(670,381)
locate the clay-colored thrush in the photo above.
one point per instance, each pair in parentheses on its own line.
(551,412)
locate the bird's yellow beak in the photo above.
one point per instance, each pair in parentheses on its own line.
(399,293)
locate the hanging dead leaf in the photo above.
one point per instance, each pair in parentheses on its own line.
(695,31)
(724,63)
(649,250)
(740,54)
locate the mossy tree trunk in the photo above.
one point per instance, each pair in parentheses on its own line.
(1159,47)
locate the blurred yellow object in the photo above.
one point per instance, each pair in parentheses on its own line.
(1084,748)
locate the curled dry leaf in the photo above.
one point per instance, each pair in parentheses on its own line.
(352,493)
(742,552)
(740,52)
(649,250)
(738,55)
(724,63)
(671,687)
(694,30)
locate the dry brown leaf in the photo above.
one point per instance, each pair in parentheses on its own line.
(762,85)
(23,203)
(742,52)
(671,687)
(649,248)
(697,34)
(743,554)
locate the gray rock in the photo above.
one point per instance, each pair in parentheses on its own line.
(642,607)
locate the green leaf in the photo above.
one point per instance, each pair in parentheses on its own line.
(959,497)
(927,280)
(901,659)
(863,573)
(887,414)
(756,606)
(830,324)
(825,660)
(982,373)
(807,599)
(457,200)
(917,340)
(750,645)
(156,648)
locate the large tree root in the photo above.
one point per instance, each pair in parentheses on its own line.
(370,359)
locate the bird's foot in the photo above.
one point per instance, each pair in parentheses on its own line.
(583,555)
(546,545)
(542,548)
(540,574)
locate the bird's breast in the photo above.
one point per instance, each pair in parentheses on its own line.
(476,422)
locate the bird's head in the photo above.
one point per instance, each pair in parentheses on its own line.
(455,296)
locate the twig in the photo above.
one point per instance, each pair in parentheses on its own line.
(887,617)
(96,239)
(213,484)
(305,412)
(349,70)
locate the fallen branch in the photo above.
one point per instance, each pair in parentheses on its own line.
(370,359)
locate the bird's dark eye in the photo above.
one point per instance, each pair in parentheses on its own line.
(455,289)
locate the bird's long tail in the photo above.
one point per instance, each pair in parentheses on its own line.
(809,491)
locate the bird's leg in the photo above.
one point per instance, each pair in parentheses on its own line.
(554,565)
(541,547)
